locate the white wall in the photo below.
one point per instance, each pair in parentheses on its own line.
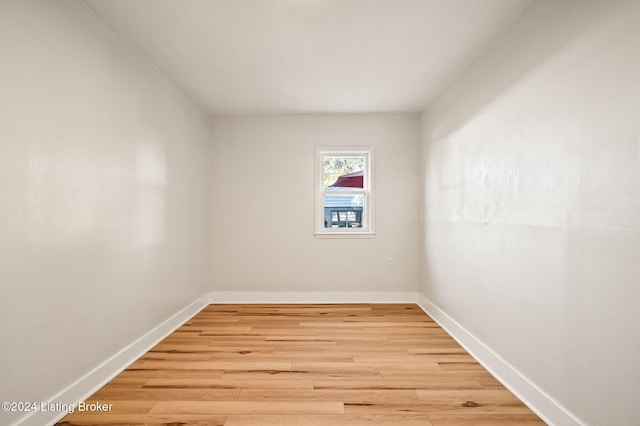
(531,189)
(104,183)
(263,205)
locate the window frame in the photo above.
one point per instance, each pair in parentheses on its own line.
(367,231)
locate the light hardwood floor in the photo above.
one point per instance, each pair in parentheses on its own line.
(261,365)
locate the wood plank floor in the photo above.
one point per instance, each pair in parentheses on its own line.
(309,365)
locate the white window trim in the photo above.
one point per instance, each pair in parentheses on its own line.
(365,232)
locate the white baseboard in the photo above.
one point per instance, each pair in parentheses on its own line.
(548,409)
(312,297)
(99,376)
(542,404)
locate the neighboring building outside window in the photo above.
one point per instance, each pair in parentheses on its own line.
(344,198)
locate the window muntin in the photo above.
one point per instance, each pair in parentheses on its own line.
(344,199)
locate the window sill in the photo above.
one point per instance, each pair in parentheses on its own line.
(345,235)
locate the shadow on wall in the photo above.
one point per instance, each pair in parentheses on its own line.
(554,39)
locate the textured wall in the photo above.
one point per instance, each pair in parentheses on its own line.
(531,216)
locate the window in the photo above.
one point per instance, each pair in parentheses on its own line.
(344,205)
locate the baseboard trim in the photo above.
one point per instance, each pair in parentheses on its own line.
(542,404)
(226,297)
(99,376)
(548,409)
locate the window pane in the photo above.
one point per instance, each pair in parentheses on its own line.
(343,191)
(343,210)
(343,172)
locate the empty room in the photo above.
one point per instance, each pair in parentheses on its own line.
(320,212)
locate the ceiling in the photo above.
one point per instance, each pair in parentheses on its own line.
(250,57)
